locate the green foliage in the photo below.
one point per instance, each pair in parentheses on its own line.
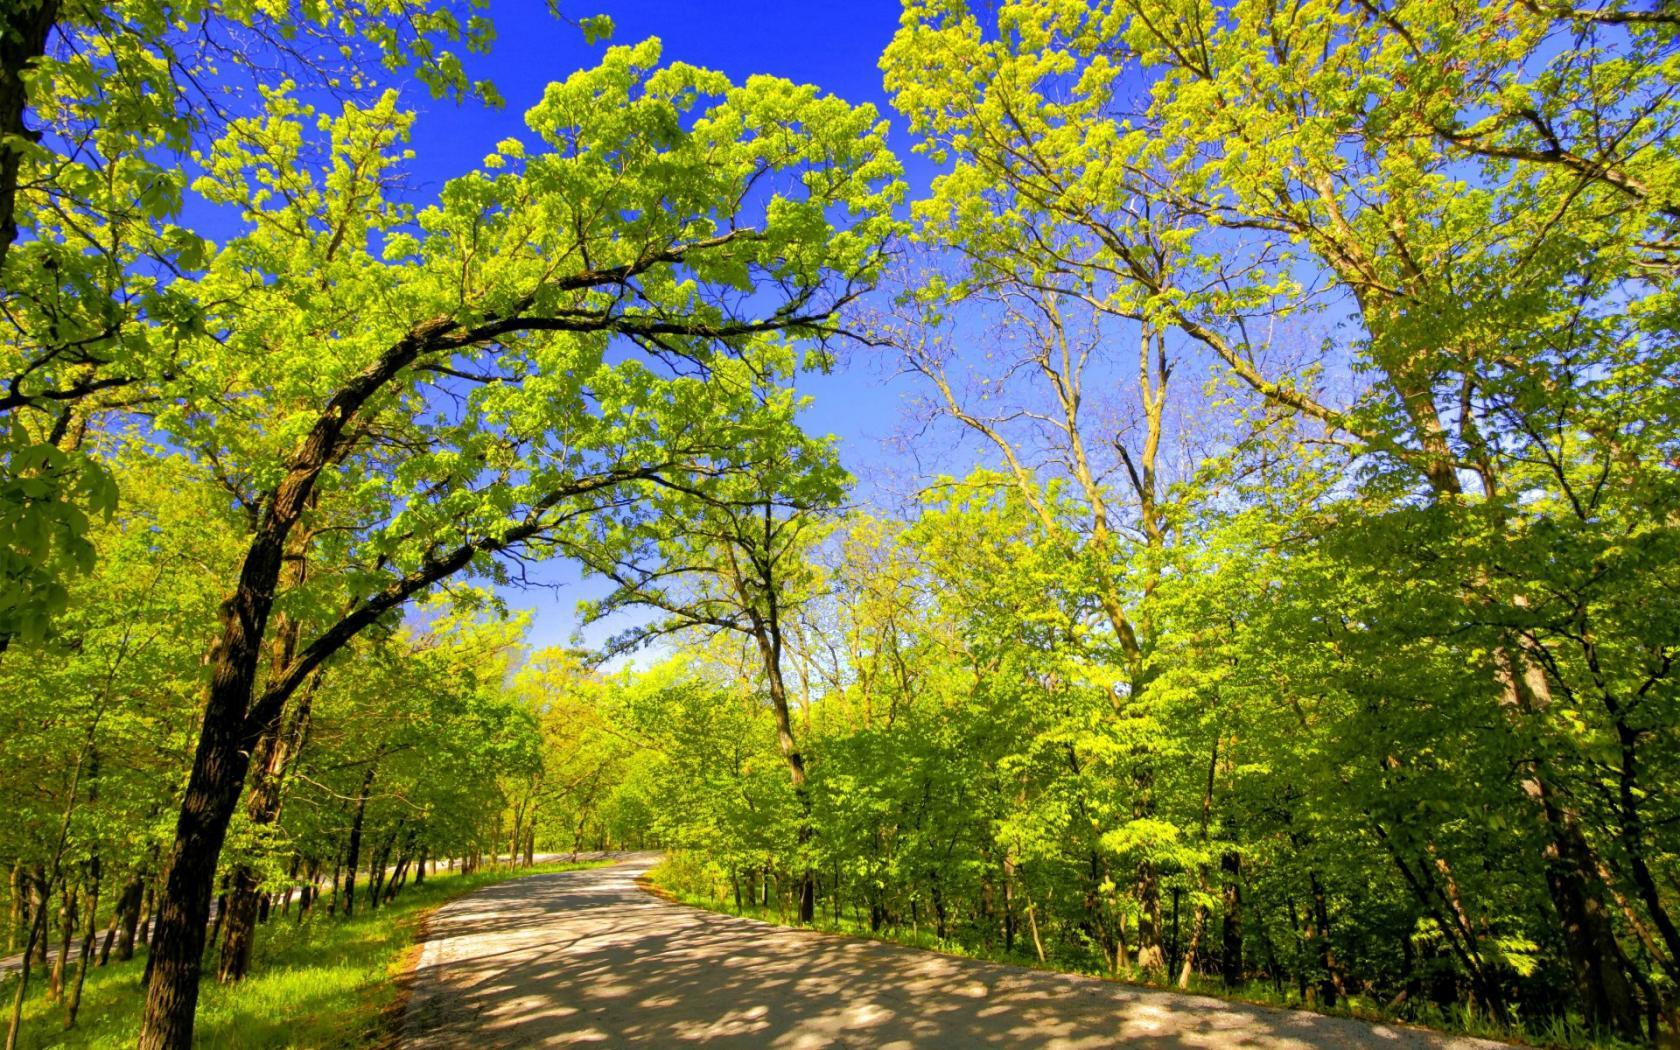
(1307,623)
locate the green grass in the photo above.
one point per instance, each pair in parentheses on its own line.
(1552,1032)
(325,983)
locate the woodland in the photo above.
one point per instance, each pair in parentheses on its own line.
(1285,602)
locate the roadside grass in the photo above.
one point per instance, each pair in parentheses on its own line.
(322,983)
(676,882)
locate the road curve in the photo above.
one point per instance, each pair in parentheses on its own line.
(586,958)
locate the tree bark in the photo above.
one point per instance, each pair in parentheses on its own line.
(1330,976)
(23,41)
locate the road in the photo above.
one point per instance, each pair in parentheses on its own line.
(587,958)
(15,960)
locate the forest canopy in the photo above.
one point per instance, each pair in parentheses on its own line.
(1276,589)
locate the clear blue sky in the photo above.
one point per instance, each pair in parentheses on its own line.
(830,43)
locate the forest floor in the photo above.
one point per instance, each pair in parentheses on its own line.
(588,957)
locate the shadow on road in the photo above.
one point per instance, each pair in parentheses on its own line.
(586,958)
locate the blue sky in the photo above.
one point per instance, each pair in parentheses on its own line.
(832,44)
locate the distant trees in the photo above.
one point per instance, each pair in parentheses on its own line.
(1465,208)
(724,546)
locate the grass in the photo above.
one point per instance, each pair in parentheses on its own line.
(324,983)
(678,885)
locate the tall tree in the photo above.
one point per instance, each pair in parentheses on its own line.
(472,342)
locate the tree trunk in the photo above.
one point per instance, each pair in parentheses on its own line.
(124,919)
(67,932)
(1231,936)
(226,739)
(219,913)
(276,747)
(1197,926)
(377,875)
(1150,955)
(218,776)
(19,914)
(23,41)
(398,877)
(73,1002)
(241,926)
(337,881)
(37,934)
(354,850)
(769,646)
(43,900)
(1330,977)
(144,931)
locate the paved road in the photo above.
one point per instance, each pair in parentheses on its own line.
(15,960)
(586,958)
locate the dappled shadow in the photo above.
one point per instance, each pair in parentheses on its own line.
(587,958)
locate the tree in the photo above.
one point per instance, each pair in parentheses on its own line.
(725,547)
(101,108)
(97,717)
(502,300)
(1470,196)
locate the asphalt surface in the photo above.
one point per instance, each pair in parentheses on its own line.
(587,958)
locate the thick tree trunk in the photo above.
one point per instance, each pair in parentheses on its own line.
(1197,926)
(241,925)
(218,776)
(1150,955)
(226,740)
(23,40)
